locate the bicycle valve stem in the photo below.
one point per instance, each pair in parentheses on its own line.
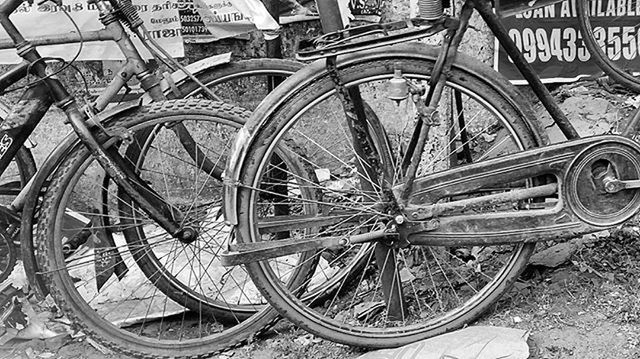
(430,9)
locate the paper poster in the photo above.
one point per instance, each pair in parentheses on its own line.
(550,39)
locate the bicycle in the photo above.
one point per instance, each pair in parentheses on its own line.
(614,52)
(453,193)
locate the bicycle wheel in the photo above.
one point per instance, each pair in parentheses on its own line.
(92,263)
(616,53)
(243,83)
(481,115)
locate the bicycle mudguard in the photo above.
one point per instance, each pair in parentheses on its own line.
(33,194)
(170,83)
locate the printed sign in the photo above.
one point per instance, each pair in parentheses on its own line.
(209,20)
(550,39)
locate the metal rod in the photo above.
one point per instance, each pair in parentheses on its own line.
(485,9)
(70,38)
(493,199)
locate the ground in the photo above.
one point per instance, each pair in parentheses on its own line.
(584,306)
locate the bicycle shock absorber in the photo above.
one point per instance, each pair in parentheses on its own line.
(430,9)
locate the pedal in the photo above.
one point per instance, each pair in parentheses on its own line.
(370,36)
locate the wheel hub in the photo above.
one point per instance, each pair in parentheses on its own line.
(187,235)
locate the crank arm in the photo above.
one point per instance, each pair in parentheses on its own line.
(243,253)
(615,185)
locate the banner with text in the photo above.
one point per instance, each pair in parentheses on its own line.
(550,40)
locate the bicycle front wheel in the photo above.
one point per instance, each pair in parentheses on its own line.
(442,288)
(615,52)
(93,262)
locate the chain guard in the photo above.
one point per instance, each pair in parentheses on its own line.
(581,169)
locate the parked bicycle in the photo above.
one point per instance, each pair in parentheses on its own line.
(453,181)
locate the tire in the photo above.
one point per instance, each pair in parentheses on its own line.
(441,290)
(610,60)
(77,262)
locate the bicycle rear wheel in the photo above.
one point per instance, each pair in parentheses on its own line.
(616,52)
(442,288)
(93,264)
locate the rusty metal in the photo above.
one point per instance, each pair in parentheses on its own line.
(365,37)
(571,163)
(591,176)
(418,213)
(72,37)
(243,253)
(369,164)
(280,223)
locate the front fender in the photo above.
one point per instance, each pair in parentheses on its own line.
(33,194)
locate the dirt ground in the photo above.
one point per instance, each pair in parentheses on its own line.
(586,306)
